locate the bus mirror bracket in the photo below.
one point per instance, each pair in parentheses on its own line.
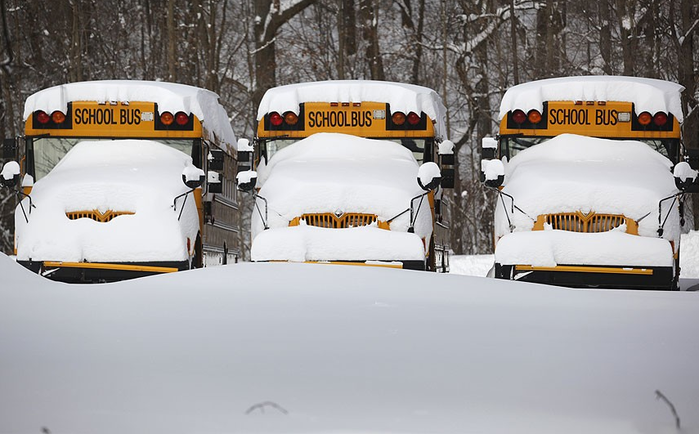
(193,177)
(492,173)
(9,177)
(685,175)
(429,176)
(246,181)
(488,147)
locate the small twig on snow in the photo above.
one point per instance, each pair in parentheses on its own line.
(262,406)
(659,395)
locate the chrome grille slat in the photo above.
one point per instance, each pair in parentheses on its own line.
(579,222)
(97,216)
(331,221)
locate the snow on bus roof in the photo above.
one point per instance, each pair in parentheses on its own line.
(647,94)
(401,96)
(172,97)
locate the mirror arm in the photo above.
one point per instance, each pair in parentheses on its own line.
(661,222)
(174,202)
(19,194)
(266,216)
(513,206)
(398,215)
(413,216)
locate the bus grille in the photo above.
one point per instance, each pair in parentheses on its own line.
(96,215)
(587,223)
(344,221)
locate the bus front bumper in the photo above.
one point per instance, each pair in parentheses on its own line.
(99,272)
(588,276)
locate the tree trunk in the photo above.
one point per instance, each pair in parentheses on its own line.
(171,38)
(370,33)
(605,36)
(268,20)
(347,31)
(513,42)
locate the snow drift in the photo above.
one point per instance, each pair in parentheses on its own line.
(320,348)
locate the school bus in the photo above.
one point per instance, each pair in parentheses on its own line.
(120,179)
(410,116)
(587,195)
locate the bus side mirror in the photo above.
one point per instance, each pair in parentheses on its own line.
(447,162)
(215,159)
(9,177)
(193,177)
(246,180)
(493,173)
(9,148)
(684,175)
(488,147)
(429,176)
(245,151)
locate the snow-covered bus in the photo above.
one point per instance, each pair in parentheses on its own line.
(336,165)
(591,177)
(120,179)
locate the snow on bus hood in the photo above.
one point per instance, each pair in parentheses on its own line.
(613,248)
(573,173)
(133,176)
(308,243)
(330,172)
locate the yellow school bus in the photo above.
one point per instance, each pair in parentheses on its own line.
(121,179)
(411,116)
(584,172)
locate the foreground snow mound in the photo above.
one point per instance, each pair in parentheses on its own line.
(321,348)
(138,177)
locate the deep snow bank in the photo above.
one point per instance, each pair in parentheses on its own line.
(341,349)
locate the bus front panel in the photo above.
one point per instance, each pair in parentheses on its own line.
(115,120)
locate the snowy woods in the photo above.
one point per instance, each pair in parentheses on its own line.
(469,51)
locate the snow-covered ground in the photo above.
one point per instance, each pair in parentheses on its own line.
(273,347)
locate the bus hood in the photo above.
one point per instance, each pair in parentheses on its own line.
(338,173)
(573,173)
(109,201)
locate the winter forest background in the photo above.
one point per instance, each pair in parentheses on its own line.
(469,51)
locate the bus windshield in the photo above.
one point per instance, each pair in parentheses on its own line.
(416,146)
(511,146)
(48,151)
